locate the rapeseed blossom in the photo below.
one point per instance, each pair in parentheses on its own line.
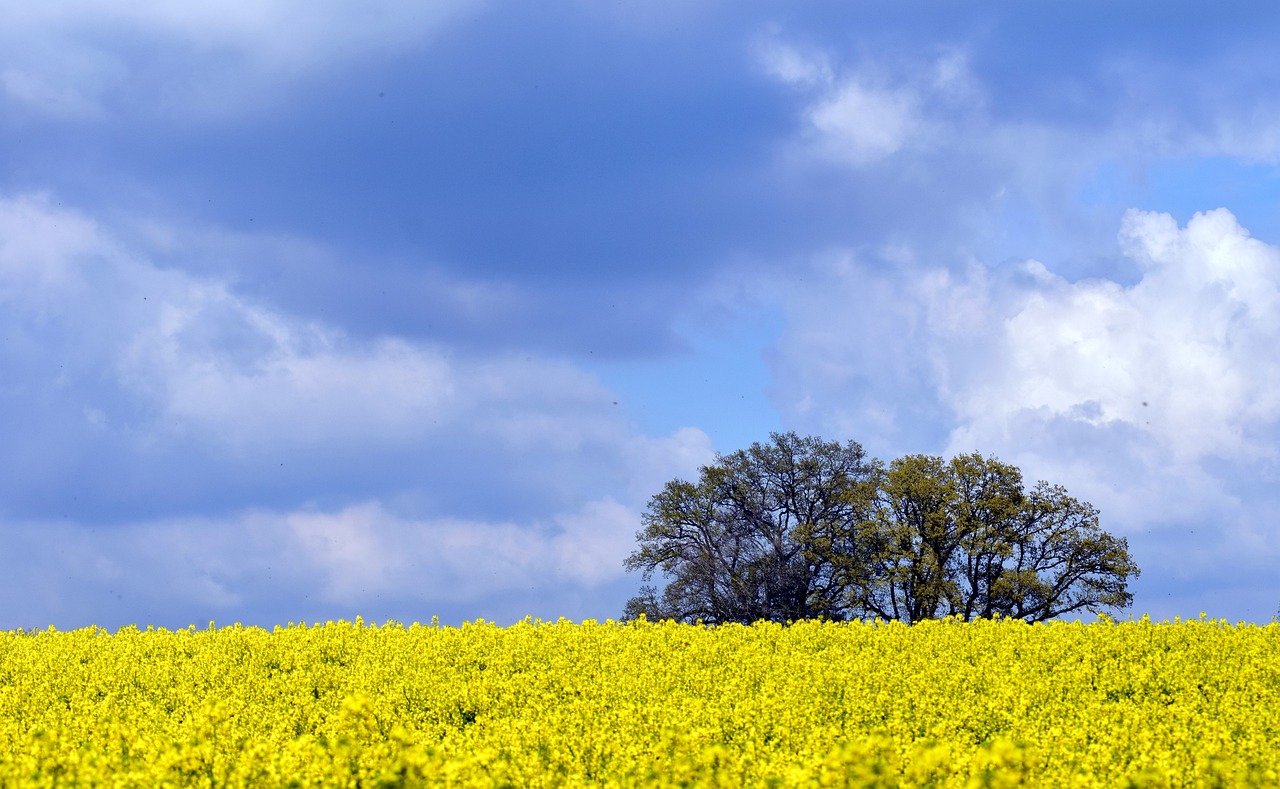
(536,704)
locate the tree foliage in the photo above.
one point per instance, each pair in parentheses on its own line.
(801,528)
(765,533)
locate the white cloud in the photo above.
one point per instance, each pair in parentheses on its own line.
(866,347)
(1158,400)
(794,65)
(861,116)
(243,375)
(363,550)
(40,246)
(657,461)
(1052,375)
(1185,355)
(860,124)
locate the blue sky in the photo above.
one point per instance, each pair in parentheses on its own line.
(309,311)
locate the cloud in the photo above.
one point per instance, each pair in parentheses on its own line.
(40,247)
(240,373)
(35,91)
(955,148)
(1155,400)
(361,557)
(279,31)
(363,550)
(207,363)
(657,461)
(865,351)
(1166,350)
(79,59)
(860,116)
(860,124)
(852,119)
(794,65)
(1183,356)
(174,381)
(1219,105)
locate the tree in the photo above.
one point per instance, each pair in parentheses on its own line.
(765,533)
(966,539)
(802,528)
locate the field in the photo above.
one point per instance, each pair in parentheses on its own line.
(536,704)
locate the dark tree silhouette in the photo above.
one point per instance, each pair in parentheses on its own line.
(765,533)
(801,528)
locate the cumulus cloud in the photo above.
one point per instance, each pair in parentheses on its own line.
(1185,355)
(1156,400)
(1182,356)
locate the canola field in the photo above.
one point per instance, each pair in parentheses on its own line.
(536,704)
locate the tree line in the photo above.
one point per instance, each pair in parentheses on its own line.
(801,528)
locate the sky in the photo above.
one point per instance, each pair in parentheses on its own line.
(311,310)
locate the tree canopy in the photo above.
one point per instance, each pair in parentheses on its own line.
(800,528)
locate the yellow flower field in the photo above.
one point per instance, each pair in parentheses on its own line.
(559,704)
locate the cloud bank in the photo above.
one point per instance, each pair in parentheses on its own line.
(171,375)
